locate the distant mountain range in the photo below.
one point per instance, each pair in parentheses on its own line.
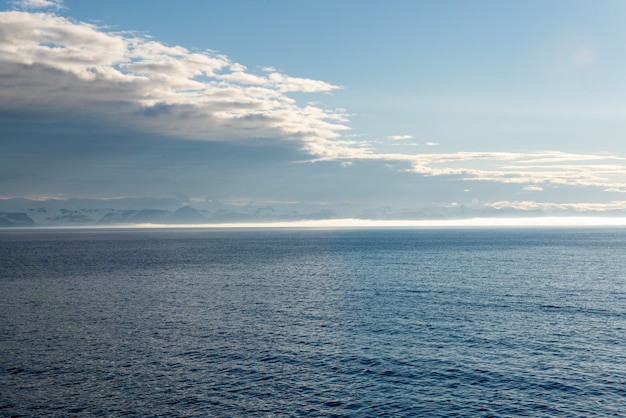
(92,212)
(22,212)
(15,219)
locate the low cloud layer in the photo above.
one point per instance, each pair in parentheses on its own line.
(532,169)
(527,205)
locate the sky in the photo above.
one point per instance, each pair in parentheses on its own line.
(353,106)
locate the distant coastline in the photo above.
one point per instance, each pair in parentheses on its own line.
(165,213)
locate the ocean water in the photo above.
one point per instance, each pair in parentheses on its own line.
(346,323)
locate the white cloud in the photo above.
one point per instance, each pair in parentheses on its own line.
(85,71)
(551,167)
(38,4)
(432,144)
(617,205)
(400,137)
(287,84)
(405,144)
(532,188)
(557,168)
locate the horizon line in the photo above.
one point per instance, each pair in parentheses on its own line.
(527,222)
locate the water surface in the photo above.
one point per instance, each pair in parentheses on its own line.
(463,322)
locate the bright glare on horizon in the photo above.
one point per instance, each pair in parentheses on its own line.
(449,223)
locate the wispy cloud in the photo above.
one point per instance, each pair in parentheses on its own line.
(399,137)
(618,205)
(38,4)
(532,188)
(551,167)
(532,169)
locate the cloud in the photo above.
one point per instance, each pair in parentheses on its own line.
(52,65)
(532,189)
(557,168)
(286,84)
(38,4)
(399,137)
(618,205)
(432,144)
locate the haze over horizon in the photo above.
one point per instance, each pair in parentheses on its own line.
(345,108)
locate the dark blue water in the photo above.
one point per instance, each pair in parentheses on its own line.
(313,323)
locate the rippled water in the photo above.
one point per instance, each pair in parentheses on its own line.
(313,323)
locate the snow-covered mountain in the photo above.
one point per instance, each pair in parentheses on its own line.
(21,212)
(92,212)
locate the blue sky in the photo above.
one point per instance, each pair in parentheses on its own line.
(342,105)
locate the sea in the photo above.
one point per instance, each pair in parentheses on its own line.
(449,322)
